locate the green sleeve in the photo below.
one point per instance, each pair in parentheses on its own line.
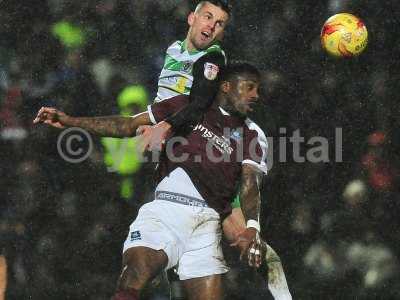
(236,202)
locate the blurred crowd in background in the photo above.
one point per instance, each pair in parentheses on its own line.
(335,224)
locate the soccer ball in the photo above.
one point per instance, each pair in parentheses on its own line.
(344,35)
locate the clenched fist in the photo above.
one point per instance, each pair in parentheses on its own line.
(51,116)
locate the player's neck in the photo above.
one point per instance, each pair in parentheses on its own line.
(189,46)
(227,106)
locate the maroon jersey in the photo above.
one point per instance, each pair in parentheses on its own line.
(212,154)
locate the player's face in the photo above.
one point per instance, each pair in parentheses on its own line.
(243,93)
(206,26)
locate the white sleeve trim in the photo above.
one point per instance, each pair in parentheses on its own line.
(152,119)
(263,142)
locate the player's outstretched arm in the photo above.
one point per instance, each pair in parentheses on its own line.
(112,126)
(250,205)
(3,277)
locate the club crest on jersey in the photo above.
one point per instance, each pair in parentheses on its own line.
(236,135)
(186,66)
(210,71)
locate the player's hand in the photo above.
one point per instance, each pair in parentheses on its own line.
(245,240)
(142,133)
(142,129)
(50,116)
(153,137)
(254,256)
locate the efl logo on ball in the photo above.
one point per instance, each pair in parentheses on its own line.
(344,35)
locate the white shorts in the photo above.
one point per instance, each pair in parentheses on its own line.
(189,235)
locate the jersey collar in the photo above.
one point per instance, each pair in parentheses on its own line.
(223,111)
(231,115)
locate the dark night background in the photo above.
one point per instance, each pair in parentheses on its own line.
(334,224)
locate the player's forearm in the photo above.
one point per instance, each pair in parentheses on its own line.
(112,126)
(250,194)
(204,88)
(190,114)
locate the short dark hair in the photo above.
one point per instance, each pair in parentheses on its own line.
(238,68)
(224,4)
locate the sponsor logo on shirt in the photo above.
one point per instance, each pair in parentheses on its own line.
(210,71)
(222,144)
(135,235)
(179,198)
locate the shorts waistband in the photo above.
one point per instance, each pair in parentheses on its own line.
(180,199)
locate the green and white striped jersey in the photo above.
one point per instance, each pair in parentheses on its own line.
(176,77)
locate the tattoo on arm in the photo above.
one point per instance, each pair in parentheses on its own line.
(250,192)
(112,126)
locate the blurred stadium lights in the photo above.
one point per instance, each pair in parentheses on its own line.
(335,6)
(336,224)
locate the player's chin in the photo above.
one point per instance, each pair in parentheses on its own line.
(250,107)
(204,43)
(200,46)
(246,110)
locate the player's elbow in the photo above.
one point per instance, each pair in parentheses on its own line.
(133,123)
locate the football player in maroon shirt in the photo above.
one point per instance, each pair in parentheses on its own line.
(181,227)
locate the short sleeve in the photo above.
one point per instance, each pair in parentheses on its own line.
(255,147)
(159,111)
(206,73)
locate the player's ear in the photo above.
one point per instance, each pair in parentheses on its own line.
(220,36)
(225,86)
(190,19)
